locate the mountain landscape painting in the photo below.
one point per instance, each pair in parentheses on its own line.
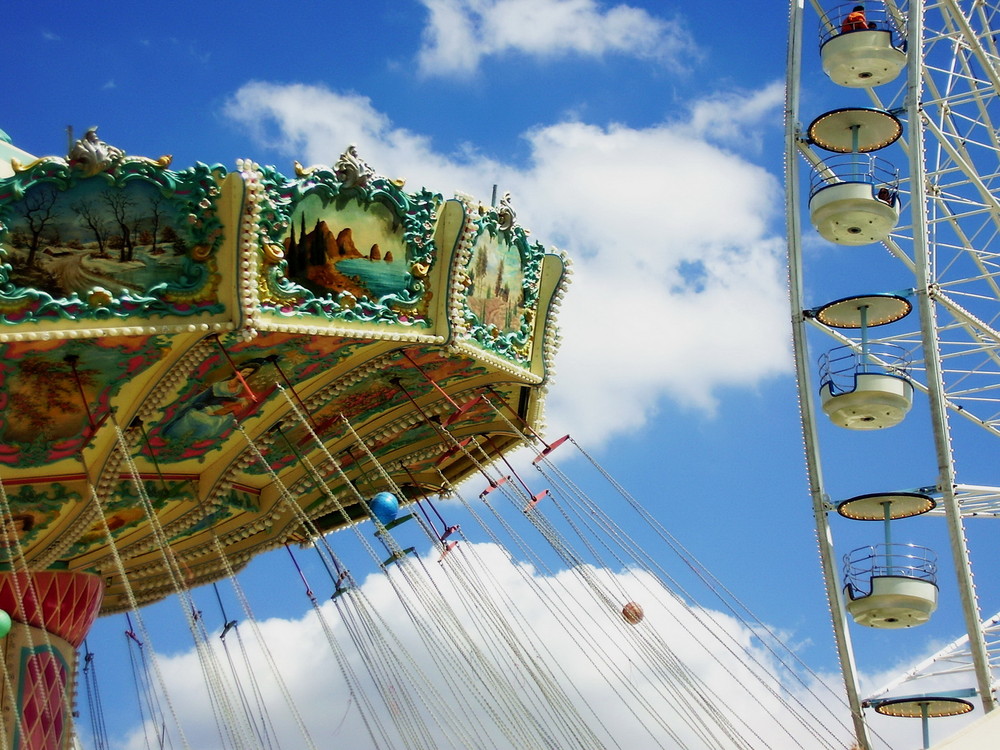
(357,250)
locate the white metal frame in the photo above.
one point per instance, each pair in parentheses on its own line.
(949,241)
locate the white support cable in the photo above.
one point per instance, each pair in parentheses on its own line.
(563,601)
(396,673)
(677,671)
(290,501)
(518,500)
(478,674)
(265,730)
(521,710)
(591,512)
(385,667)
(143,691)
(484,701)
(467,578)
(733,604)
(387,662)
(286,495)
(95,706)
(603,598)
(262,642)
(509,626)
(395,550)
(356,692)
(511,711)
(262,734)
(134,607)
(429,596)
(582,636)
(219,697)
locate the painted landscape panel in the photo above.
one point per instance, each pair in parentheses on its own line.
(123,240)
(355,249)
(496,296)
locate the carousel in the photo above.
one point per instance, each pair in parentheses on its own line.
(201,365)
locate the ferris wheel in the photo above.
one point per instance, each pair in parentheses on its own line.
(898,171)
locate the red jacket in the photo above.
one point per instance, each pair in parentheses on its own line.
(855,21)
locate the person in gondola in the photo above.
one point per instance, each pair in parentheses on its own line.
(855,20)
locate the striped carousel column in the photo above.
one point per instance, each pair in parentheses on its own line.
(51,613)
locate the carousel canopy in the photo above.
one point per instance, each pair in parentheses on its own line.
(213,363)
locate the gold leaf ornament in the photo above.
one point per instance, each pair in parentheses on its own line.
(273,253)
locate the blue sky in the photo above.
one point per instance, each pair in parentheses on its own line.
(644,139)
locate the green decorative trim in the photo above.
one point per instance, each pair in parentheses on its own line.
(336,189)
(513,344)
(46,189)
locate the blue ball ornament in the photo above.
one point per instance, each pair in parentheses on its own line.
(384,506)
(5,623)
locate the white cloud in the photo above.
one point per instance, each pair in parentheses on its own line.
(460,33)
(643,684)
(314,125)
(679,287)
(733,119)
